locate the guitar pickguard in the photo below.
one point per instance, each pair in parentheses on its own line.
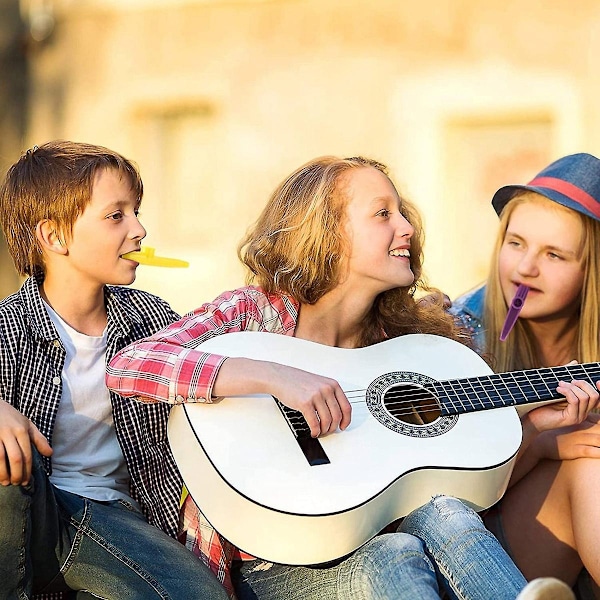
(400,402)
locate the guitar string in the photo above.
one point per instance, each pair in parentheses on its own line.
(394,401)
(488,381)
(503,398)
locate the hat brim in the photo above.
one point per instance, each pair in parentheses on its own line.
(506,193)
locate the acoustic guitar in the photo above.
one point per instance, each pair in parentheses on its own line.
(428,417)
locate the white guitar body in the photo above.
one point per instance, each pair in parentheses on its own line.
(245,470)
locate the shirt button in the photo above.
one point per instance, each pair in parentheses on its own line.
(179,398)
(56,343)
(56,380)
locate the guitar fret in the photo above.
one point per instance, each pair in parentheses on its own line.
(509,389)
(479,390)
(447,397)
(468,390)
(495,396)
(540,383)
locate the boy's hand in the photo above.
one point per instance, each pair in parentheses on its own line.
(17,433)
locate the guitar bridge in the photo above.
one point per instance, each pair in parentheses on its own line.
(310,446)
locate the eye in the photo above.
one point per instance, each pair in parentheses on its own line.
(553,255)
(384,212)
(116,216)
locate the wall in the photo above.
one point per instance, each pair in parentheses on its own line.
(217,101)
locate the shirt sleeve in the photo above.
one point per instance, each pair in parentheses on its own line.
(169,366)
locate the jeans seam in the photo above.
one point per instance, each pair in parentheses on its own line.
(127,506)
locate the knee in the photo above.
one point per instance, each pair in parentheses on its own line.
(441,513)
(384,567)
(387,550)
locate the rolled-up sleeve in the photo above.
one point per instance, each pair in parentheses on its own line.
(170,366)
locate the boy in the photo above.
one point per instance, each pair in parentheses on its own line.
(79,468)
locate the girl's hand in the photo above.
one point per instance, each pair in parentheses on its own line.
(575,441)
(580,398)
(321,400)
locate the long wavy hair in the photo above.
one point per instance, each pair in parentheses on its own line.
(298,247)
(519,351)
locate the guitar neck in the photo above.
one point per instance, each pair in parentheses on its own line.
(459,396)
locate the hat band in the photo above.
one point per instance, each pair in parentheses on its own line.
(570,191)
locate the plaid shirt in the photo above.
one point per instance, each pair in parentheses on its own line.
(168,367)
(31,362)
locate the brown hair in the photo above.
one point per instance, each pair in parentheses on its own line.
(53,181)
(518,351)
(297,247)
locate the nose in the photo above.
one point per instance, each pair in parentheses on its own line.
(138,231)
(403,228)
(528,266)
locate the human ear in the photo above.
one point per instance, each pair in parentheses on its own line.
(49,238)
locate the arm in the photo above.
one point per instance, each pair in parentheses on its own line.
(170,367)
(321,400)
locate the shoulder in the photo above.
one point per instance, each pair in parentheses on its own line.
(13,319)
(468,313)
(130,304)
(255,297)
(20,309)
(251,307)
(470,303)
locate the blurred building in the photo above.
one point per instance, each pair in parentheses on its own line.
(218,100)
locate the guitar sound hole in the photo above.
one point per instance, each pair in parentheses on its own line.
(411,403)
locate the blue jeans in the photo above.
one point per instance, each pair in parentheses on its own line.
(440,547)
(52,541)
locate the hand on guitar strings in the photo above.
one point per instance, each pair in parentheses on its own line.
(580,398)
(321,400)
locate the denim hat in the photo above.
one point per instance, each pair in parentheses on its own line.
(573,181)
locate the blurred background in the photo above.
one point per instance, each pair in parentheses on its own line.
(218,100)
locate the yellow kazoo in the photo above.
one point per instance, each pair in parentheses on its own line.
(146,257)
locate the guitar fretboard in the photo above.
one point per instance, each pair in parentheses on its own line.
(458,396)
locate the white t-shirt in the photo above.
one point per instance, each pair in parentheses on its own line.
(87,459)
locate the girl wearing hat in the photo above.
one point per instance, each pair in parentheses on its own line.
(548,241)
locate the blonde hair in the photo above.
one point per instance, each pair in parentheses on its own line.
(53,181)
(518,351)
(298,245)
